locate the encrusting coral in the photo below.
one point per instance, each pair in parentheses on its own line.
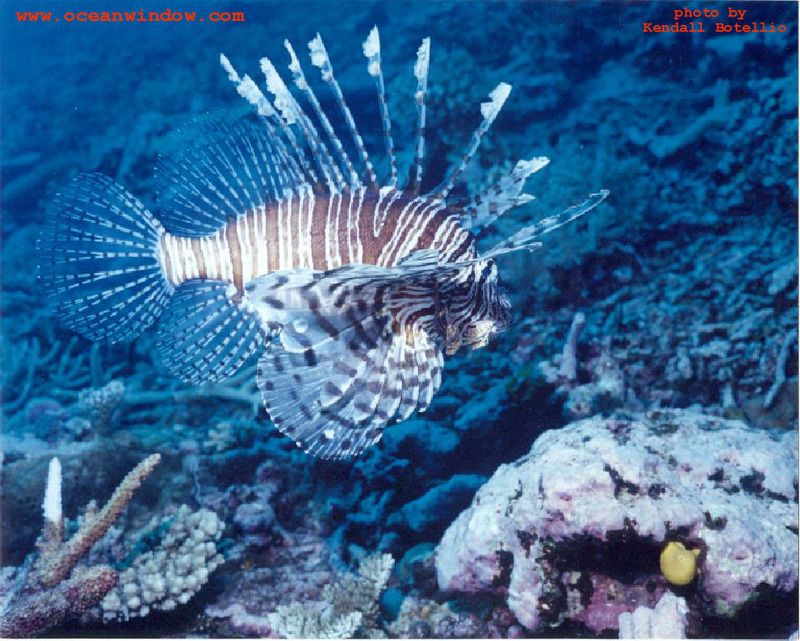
(54,589)
(667,620)
(553,523)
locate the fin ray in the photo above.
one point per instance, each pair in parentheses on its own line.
(489,111)
(293,114)
(302,84)
(99,260)
(505,194)
(421,74)
(372,51)
(524,238)
(223,171)
(320,59)
(205,336)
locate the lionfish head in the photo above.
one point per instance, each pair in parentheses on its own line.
(487,311)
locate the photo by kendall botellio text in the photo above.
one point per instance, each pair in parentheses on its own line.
(271,239)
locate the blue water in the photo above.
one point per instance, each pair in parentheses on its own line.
(693,255)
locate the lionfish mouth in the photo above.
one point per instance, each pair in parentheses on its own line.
(480,332)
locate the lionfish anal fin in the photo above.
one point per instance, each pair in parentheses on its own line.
(206,334)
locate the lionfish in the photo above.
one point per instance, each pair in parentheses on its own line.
(272,239)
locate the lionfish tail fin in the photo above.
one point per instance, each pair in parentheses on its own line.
(526,237)
(99,260)
(505,194)
(489,111)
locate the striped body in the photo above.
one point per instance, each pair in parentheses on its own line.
(318,232)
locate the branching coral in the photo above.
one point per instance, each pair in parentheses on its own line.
(349,606)
(57,558)
(297,621)
(44,364)
(94,576)
(240,388)
(55,589)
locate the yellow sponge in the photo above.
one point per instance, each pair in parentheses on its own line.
(678,565)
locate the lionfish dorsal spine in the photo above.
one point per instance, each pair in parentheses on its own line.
(320,59)
(421,74)
(372,51)
(249,90)
(302,84)
(489,111)
(293,113)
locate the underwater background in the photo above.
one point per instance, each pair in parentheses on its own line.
(630,442)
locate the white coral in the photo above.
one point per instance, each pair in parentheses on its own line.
(297,621)
(52,493)
(173,572)
(350,605)
(666,621)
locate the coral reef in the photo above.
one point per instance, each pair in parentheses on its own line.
(55,588)
(350,605)
(100,404)
(171,573)
(297,571)
(601,488)
(665,621)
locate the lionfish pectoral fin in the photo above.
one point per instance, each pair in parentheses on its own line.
(326,400)
(343,366)
(206,335)
(224,169)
